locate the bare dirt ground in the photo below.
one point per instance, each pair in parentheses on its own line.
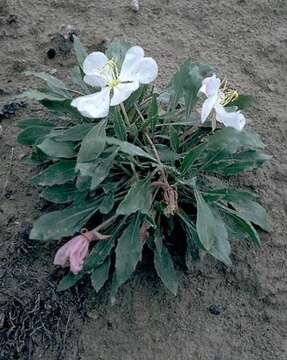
(246,41)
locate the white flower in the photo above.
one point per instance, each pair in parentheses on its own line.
(115,87)
(216,99)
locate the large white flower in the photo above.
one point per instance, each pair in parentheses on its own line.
(216,99)
(115,87)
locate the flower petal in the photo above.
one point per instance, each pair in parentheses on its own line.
(147,71)
(210,85)
(231,119)
(78,255)
(95,80)
(207,107)
(94,63)
(131,63)
(123,91)
(94,105)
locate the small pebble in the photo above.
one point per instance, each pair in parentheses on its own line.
(51,53)
(214,309)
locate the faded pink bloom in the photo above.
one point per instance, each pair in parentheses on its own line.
(74,252)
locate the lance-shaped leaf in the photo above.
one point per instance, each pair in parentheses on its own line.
(99,169)
(252,212)
(40,95)
(23,124)
(117,50)
(128,253)
(99,253)
(108,203)
(33,135)
(57,224)
(80,51)
(100,275)
(139,198)
(57,174)
(129,148)
(62,194)
(93,143)
(118,124)
(56,149)
(230,140)
(69,281)
(53,83)
(191,157)
(211,230)
(75,133)
(164,266)
(244,225)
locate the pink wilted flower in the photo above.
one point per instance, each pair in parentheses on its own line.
(74,252)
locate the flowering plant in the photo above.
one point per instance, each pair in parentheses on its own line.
(141,169)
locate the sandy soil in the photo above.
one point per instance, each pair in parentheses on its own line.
(247,42)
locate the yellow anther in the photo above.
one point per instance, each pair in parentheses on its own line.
(228,95)
(113,83)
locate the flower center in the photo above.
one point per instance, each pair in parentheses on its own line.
(113,83)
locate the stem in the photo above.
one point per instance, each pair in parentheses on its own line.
(127,120)
(105,223)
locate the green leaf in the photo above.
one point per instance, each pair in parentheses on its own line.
(119,125)
(221,247)
(37,157)
(227,194)
(252,212)
(53,83)
(62,194)
(244,225)
(99,253)
(108,203)
(139,198)
(56,149)
(229,165)
(129,148)
(211,230)
(26,123)
(153,113)
(186,82)
(77,79)
(100,275)
(165,269)
(191,157)
(61,107)
(243,102)
(117,50)
(57,224)
(174,138)
(93,143)
(39,95)
(69,281)
(80,51)
(191,87)
(99,169)
(128,253)
(75,133)
(33,135)
(230,140)
(56,174)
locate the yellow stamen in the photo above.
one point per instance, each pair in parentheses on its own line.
(229,95)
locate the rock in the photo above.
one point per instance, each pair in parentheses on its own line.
(51,53)
(214,309)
